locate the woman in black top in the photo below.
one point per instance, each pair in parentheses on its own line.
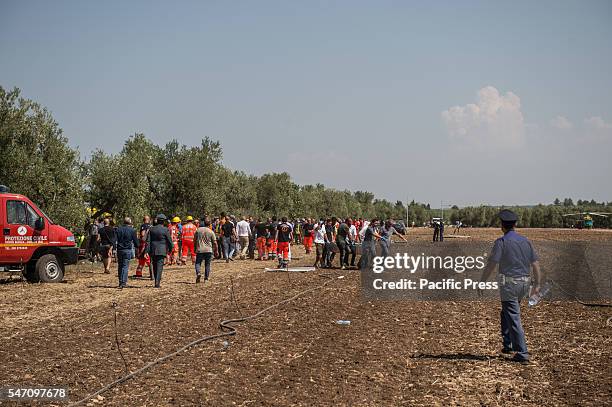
(229,239)
(108,240)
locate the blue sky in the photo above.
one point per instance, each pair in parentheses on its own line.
(461,102)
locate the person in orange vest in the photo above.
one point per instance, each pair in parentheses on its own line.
(174,235)
(188,234)
(308,234)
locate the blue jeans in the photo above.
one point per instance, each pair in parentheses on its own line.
(384,247)
(228,247)
(368,252)
(207,257)
(123,265)
(513,335)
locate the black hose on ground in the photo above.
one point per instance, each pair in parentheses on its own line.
(225,325)
(578,300)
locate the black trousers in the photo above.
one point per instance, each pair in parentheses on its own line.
(252,245)
(158,267)
(328,254)
(341,243)
(220,254)
(346,249)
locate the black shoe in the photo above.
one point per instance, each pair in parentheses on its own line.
(197,279)
(519,359)
(157,286)
(507,350)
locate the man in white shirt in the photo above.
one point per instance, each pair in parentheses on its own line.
(243,229)
(319,241)
(353,237)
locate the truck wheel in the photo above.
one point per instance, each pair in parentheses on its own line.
(49,269)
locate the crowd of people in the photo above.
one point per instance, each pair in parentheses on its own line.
(163,241)
(174,241)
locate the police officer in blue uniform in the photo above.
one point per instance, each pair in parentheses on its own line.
(515,257)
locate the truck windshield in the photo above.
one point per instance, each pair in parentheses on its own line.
(36,208)
(46,216)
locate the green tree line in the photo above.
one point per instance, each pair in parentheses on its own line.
(145,178)
(538,216)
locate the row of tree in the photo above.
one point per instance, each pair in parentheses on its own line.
(539,216)
(580,202)
(144,178)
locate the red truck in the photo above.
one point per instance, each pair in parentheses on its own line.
(31,243)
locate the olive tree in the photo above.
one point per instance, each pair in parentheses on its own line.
(37,160)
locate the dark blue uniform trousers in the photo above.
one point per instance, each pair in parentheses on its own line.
(158,267)
(513,335)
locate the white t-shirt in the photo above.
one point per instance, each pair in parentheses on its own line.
(243,228)
(363,229)
(319,236)
(353,233)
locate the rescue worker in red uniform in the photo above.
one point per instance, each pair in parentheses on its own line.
(284,235)
(262,232)
(308,231)
(188,234)
(271,243)
(358,224)
(174,235)
(143,254)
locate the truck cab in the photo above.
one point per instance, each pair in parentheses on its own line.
(30,242)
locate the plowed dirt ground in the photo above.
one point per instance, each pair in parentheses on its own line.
(393,353)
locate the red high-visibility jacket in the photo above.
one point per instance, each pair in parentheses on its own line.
(189,230)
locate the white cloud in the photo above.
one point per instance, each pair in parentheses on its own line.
(597,130)
(561,123)
(494,122)
(597,123)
